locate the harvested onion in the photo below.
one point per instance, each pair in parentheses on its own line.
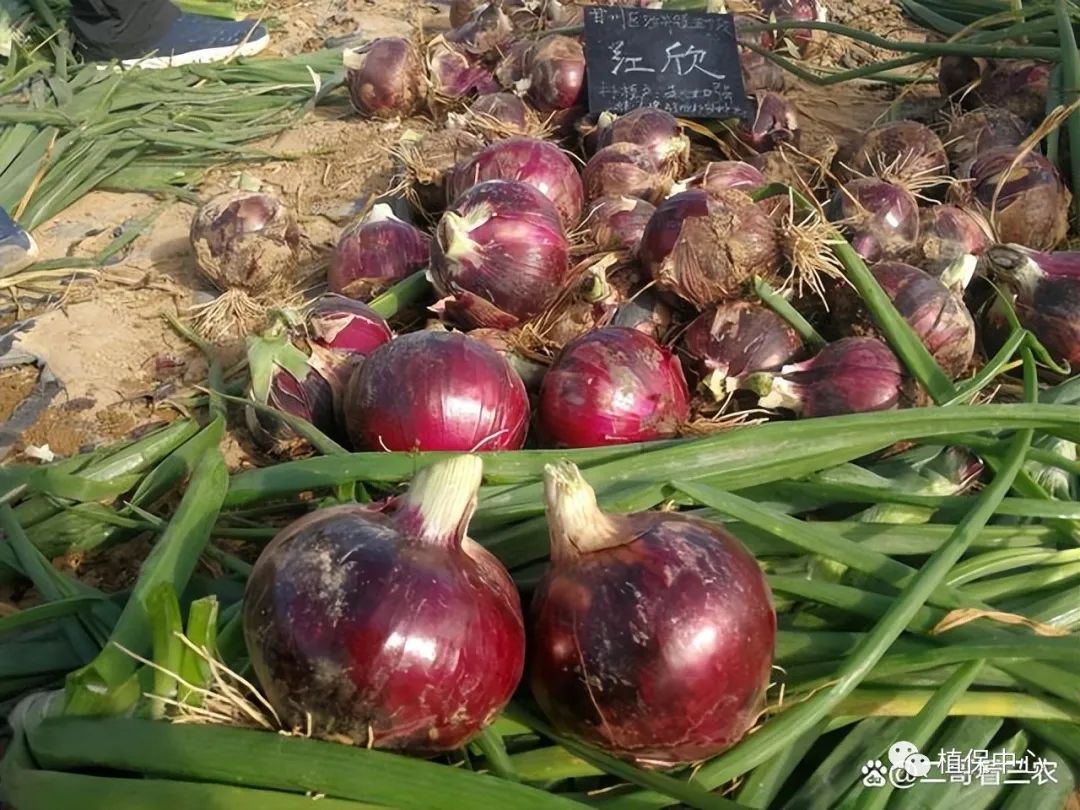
(653,129)
(903,152)
(881,219)
(947,233)
(385,77)
(724,175)
(500,255)
(612,386)
(977,132)
(556,73)
(618,222)
(385,625)
(436,391)
(624,170)
(651,635)
(375,252)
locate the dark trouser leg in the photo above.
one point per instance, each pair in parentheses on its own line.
(120,29)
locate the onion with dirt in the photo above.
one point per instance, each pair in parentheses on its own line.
(624,170)
(903,152)
(435,391)
(385,625)
(500,255)
(651,635)
(385,77)
(612,386)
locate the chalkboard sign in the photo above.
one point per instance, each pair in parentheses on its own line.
(684,62)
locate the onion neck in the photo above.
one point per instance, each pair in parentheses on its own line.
(441,500)
(380,212)
(577,524)
(958,275)
(457,244)
(773,390)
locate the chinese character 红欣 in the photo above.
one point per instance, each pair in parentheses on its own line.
(687,61)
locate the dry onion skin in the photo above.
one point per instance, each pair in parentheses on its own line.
(903,152)
(385,77)
(976,132)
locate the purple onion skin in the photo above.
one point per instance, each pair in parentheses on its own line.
(958,75)
(386,77)
(613,386)
(646,313)
(902,150)
(376,252)
(934,312)
(557,73)
(791,11)
(946,233)
(342,332)
(505,108)
(436,391)
(726,175)
(500,255)
(658,650)
(852,375)
(540,164)
(617,222)
(977,132)
(882,219)
(625,170)
(654,129)
(1047,301)
(1030,207)
(775,122)
(360,620)
(704,247)
(737,338)
(1020,87)
(453,75)
(310,399)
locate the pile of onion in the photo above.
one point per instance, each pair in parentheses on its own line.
(540,164)
(705,247)
(612,386)
(651,635)
(500,255)
(385,625)
(436,391)
(375,252)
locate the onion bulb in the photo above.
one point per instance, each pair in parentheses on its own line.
(1022,195)
(617,222)
(651,635)
(612,386)
(540,164)
(801,40)
(1047,287)
(625,170)
(852,375)
(1020,87)
(775,122)
(385,77)
(881,219)
(246,241)
(556,73)
(977,132)
(724,175)
(501,115)
(453,74)
(500,255)
(903,152)
(654,129)
(375,252)
(735,339)
(947,233)
(385,625)
(435,391)
(705,247)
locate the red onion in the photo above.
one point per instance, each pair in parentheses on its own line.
(385,625)
(483,35)
(436,391)
(903,152)
(612,386)
(645,312)
(738,338)
(500,255)
(651,635)
(1023,197)
(936,314)
(617,222)
(704,247)
(959,76)
(513,69)
(342,332)
(775,122)
(557,73)
(385,77)
(540,164)
(947,233)
(724,175)
(375,252)
(626,170)
(1047,287)
(1018,86)
(852,375)
(981,130)
(882,219)
(501,113)
(799,39)
(453,74)
(653,129)
(247,241)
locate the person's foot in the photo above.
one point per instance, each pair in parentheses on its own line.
(17,247)
(195,38)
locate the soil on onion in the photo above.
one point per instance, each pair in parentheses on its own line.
(105,339)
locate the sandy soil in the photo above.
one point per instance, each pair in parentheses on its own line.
(118,360)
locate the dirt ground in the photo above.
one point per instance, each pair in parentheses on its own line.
(117,361)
